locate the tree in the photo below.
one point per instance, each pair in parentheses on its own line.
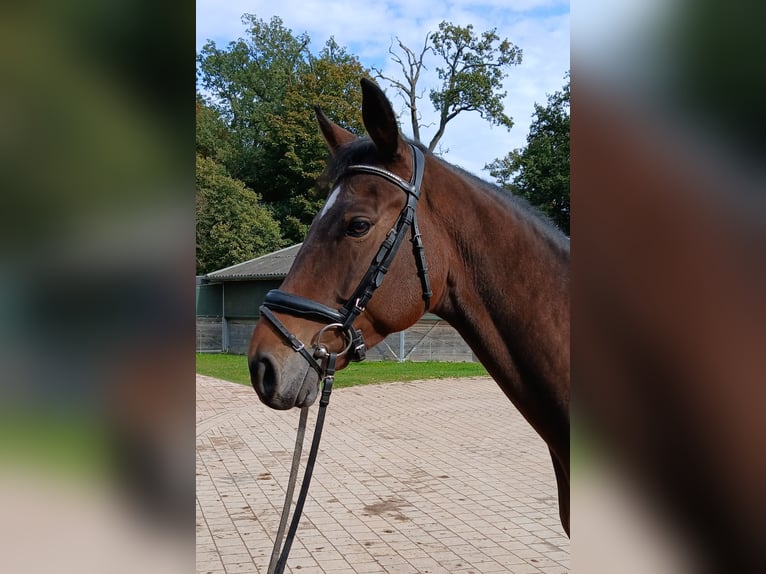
(408,88)
(246,82)
(231,225)
(471,73)
(212,134)
(264,89)
(294,151)
(540,171)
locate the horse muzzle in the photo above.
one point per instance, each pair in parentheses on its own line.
(283,384)
(286,381)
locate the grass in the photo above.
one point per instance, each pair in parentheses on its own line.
(223,366)
(234,368)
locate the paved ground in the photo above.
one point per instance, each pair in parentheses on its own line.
(438,476)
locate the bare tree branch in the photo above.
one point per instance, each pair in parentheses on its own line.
(408,87)
(474,66)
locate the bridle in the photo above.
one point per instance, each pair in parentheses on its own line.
(322,360)
(343,319)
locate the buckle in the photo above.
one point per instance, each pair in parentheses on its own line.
(360,348)
(357,309)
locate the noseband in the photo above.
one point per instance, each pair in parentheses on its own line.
(343,318)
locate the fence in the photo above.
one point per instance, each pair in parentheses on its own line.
(431,339)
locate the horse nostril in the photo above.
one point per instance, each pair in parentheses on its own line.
(264,376)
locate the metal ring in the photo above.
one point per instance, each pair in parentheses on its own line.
(317,340)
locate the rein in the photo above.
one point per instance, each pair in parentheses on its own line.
(279,561)
(323,361)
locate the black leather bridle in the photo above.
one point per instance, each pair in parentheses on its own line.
(343,318)
(323,361)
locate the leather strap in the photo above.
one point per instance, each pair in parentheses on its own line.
(323,402)
(292,304)
(295,343)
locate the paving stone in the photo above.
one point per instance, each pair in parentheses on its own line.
(424,477)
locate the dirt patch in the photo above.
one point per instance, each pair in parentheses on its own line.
(391,506)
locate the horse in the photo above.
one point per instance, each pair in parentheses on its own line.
(482,260)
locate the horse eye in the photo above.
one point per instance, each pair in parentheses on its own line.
(358,228)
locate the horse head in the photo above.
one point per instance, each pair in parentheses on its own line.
(325,304)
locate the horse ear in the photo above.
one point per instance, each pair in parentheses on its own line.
(334,135)
(379,119)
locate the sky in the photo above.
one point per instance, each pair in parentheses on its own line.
(539,27)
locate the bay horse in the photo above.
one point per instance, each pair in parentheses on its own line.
(482,260)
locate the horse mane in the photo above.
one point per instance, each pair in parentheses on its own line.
(533,215)
(515,203)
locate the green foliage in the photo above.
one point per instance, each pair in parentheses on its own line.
(247,82)
(472,74)
(540,171)
(295,151)
(231,224)
(263,89)
(212,135)
(234,368)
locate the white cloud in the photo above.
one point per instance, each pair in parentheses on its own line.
(539,27)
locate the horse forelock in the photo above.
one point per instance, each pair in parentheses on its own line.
(361,151)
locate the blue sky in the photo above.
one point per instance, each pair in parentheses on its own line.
(539,27)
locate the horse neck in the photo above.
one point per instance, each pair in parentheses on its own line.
(507,293)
